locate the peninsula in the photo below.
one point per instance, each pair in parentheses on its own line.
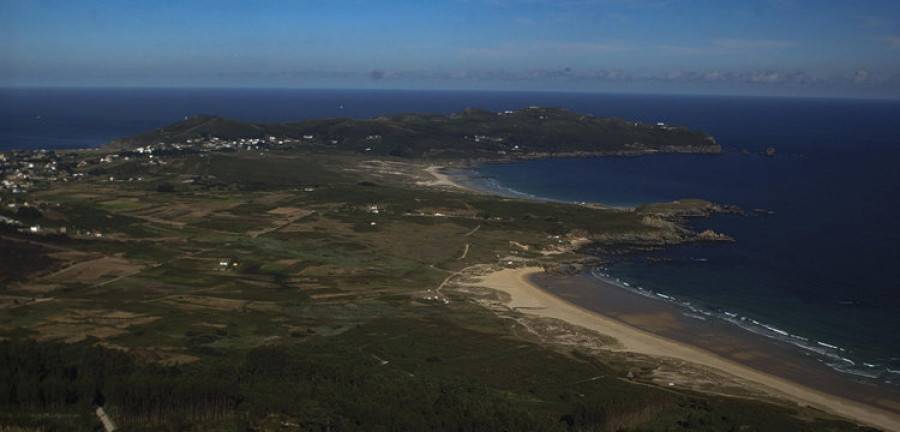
(471,134)
(327,275)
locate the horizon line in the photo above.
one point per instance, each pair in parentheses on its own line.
(452,90)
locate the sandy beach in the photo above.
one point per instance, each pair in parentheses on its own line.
(441,179)
(459,178)
(528,298)
(644,328)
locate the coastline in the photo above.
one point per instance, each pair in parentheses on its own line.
(658,330)
(636,336)
(464,178)
(666,327)
(443,179)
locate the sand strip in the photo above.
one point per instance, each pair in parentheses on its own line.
(524,294)
(441,179)
(462,179)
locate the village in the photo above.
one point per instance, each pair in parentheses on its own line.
(22,171)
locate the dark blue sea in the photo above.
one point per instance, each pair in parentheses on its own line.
(818,266)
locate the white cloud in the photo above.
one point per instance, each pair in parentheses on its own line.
(763,81)
(715,75)
(675,75)
(767,77)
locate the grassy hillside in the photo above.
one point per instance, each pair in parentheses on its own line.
(263,291)
(472,133)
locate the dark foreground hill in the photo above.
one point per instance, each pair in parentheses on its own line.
(472,133)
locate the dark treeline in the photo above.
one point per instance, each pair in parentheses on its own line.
(271,384)
(358,394)
(54,386)
(50,376)
(58,378)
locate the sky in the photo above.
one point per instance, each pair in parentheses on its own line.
(816,48)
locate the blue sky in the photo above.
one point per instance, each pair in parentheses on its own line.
(847,48)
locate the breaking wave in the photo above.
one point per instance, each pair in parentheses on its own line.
(830,354)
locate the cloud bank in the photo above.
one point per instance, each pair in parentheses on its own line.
(858,76)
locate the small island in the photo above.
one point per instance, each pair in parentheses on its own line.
(327,275)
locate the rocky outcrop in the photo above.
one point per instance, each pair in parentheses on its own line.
(712,236)
(687,208)
(667,228)
(571,268)
(622,244)
(657,260)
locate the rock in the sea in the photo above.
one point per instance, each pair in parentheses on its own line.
(567,269)
(710,235)
(770,152)
(657,260)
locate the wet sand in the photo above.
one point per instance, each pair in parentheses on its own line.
(468,180)
(647,326)
(655,328)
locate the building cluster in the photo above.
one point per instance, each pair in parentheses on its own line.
(495,143)
(220,144)
(22,170)
(210,144)
(19,170)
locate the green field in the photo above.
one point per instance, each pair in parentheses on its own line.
(264,293)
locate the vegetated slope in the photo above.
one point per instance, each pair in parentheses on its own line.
(325,322)
(471,133)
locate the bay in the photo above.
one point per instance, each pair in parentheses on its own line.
(816,265)
(822,267)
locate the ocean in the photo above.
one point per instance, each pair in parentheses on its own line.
(816,266)
(816,261)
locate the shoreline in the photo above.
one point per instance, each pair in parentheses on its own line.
(465,178)
(647,334)
(781,371)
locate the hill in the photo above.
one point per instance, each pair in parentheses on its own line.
(472,133)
